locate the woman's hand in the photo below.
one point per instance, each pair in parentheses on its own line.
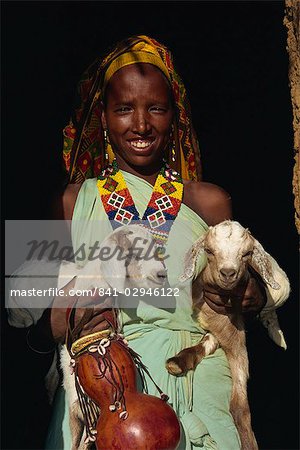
(52,326)
(100,313)
(253,298)
(102,316)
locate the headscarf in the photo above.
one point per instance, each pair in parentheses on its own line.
(84,149)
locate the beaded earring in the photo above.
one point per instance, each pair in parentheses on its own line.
(106,142)
(173,157)
(173,152)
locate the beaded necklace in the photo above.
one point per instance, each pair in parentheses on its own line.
(162,208)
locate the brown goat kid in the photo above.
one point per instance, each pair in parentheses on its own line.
(230,250)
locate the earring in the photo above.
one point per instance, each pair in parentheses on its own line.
(173,152)
(173,157)
(105,143)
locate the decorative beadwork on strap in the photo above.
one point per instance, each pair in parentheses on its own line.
(162,208)
(90,409)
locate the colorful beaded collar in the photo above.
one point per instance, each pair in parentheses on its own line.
(162,208)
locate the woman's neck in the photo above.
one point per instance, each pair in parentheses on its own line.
(147,173)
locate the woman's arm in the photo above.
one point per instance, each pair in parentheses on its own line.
(51,327)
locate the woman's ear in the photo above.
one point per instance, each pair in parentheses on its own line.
(103,116)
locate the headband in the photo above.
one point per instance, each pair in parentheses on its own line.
(133,58)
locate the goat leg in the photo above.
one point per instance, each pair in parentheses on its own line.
(230,333)
(239,406)
(190,357)
(77,428)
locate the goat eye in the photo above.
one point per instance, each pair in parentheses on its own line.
(247,254)
(133,254)
(208,251)
(129,255)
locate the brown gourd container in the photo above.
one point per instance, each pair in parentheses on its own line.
(140,421)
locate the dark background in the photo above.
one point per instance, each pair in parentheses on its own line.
(233,60)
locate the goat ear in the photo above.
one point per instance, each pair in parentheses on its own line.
(191,259)
(261,263)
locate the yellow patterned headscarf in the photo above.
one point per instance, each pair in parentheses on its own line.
(84,149)
(139,53)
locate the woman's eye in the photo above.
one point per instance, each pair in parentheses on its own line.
(158,109)
(247,254)
(123,109)
(208,251)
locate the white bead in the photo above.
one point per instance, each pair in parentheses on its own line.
(123,415)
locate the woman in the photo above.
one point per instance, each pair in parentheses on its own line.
(134,113)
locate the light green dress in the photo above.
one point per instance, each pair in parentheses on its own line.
(201,398)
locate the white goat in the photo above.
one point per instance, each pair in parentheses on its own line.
(230,250)
(132,263)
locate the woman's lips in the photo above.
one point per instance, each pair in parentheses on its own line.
(141,143)
(141,146)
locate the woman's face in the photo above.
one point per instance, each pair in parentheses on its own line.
(138,114)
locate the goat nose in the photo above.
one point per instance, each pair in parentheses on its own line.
(229,273)
(162,274)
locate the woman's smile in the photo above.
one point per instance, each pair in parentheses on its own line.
(140,144)
(141,147)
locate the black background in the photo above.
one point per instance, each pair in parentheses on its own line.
(233,60)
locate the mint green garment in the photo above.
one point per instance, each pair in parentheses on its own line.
(201,398)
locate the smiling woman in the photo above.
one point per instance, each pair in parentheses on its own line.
(132,154)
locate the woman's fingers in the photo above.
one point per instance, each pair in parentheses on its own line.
(255,297)
(62,304)
(102,316)
(95,325)
(218,306)
(218,302)
(101,320)
(252,297)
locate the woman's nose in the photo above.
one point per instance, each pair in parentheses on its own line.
(141,124)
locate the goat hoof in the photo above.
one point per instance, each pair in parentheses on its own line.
(174,367)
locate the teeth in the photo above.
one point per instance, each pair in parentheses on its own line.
(140,144)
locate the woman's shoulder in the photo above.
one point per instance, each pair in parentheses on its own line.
(69,199)
(70,195)
(206,191)
(211,202)
(64,202)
